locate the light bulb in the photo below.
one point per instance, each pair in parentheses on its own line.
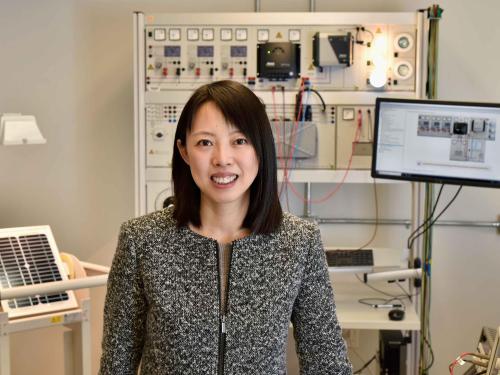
(378,78)
(379,43)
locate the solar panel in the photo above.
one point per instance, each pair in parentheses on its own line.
(29,256)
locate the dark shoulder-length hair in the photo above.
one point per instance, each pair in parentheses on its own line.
(243,109)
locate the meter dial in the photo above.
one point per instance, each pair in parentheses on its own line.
(193,34)
(241,34)
(160,34)
(207,34)
(348,114)
(226,34)
(403,70)
(174,34)
(403,42)
(262,35)
(294,35)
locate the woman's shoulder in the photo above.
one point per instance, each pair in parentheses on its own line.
(294,225)
(152,224)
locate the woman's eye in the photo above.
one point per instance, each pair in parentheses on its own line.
(241,141)
(204,142)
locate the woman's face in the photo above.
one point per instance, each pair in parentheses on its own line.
(223,162)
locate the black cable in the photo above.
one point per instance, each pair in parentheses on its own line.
(414,234)
(381,291)
(438,216)
(427,333)
(404,290)
(371,34)
(426,220)
(366,364)
(373,301)
(319,96)
(362,42)
(373,288)
(431,353)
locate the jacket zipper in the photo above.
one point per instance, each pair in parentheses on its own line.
(222,343)
(222,314)
(220,370)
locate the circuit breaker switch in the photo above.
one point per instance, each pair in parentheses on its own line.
(165,72)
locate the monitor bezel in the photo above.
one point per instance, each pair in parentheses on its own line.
(412,177)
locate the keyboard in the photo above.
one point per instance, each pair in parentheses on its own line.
(350,260)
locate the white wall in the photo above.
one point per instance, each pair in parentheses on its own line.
(69,62)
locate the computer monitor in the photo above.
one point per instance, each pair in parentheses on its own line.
(437,141)
(494,357)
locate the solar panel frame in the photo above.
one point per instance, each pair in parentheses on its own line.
(29,256)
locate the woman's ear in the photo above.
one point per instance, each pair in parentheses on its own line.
(183,151)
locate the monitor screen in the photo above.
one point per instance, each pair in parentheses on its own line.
(437,141)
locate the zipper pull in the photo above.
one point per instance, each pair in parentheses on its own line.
(223,323)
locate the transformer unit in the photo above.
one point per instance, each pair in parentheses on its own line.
(332,50)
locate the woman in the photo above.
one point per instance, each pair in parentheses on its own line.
(210,285)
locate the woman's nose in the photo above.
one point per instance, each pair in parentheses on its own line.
(222,156)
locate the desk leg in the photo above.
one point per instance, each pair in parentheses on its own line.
(69,357)
(78,344)
(4,345)
(86,339)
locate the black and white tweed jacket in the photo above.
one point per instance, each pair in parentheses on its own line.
(162,303)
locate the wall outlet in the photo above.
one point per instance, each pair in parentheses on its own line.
(351,337)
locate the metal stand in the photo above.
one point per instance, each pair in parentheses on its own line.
(78,320)
(77,340)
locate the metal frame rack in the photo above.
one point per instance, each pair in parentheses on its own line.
(77,340)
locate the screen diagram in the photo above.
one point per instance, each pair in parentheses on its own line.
(467,135)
